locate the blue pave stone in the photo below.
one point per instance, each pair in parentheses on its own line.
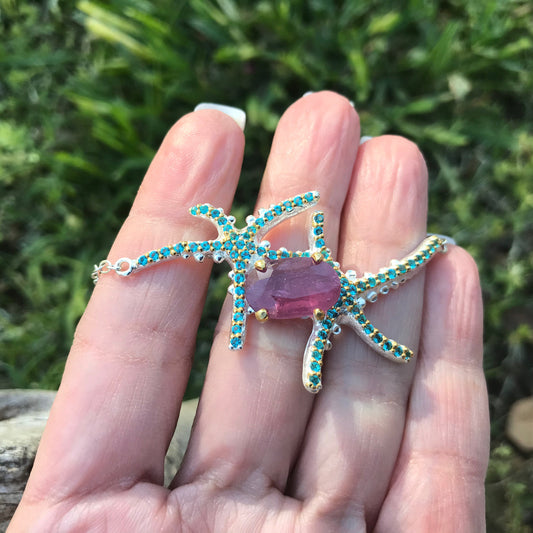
(315,367)
(240,265)
(319,218)
(378,337)
(372,282)
(320,243)
(319,344)
(165,252)
(215,213)
(327,323)
(322,334)
(261,250)
(240,244)
(234,254)
(239,291)
(179,248)
(426,254)
(361,319)
(239,304)
(412,264)
(392,273)
(221,221)
(419,259)
(361,285)
(309,196)
(382,278)
(143,260)
(252,230)
(369,328)
(318,231)
(387,346)
(269,215)
(272,254)
(236,330)
(314,379)
(205,246)
(402,269)
(298,200)
(251,246)
(332,313)
(228,245)
(245,254)
(194,211)
(217,245)
(154,255)
(288,206)
(399,351)
(278,210)
(239,278)
(236,342)
(260,222)
(227,228)
(238,317)
(285,254)
(204,209)
(317,355)
(193,247)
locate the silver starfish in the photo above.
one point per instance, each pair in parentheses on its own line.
(245,250)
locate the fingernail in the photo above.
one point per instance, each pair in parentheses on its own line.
(237,114)
(351,103)
(364,139)
(308,93)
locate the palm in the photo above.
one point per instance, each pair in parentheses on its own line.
(383,447)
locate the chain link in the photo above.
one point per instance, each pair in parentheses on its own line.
(106,266)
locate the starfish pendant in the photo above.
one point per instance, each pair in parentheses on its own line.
(247,252)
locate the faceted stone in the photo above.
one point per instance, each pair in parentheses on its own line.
(293,288)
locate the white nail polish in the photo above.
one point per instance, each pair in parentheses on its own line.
(351,103)
(308,93)
(238,115)
(364,139)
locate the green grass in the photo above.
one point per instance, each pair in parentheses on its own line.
(87,91)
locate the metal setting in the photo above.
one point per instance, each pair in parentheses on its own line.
(245,250)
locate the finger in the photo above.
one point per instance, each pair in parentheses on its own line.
(365,395)
(438,482)
(257,396)
(126,374)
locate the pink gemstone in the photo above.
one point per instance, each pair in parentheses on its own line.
(293,288)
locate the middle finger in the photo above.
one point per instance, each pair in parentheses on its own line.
(254,408)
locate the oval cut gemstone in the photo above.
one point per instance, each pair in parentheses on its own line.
(293,288)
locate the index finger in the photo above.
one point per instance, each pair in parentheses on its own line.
(130,362)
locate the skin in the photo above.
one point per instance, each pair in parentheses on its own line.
(383,447)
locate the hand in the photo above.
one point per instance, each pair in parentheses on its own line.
(384,447)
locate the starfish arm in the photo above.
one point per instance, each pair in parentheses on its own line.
(277,213)
(374,338)
(317,345)
(215,215)
(240,305)
(317,240)
(399,271)
(184,249)
(238,322)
